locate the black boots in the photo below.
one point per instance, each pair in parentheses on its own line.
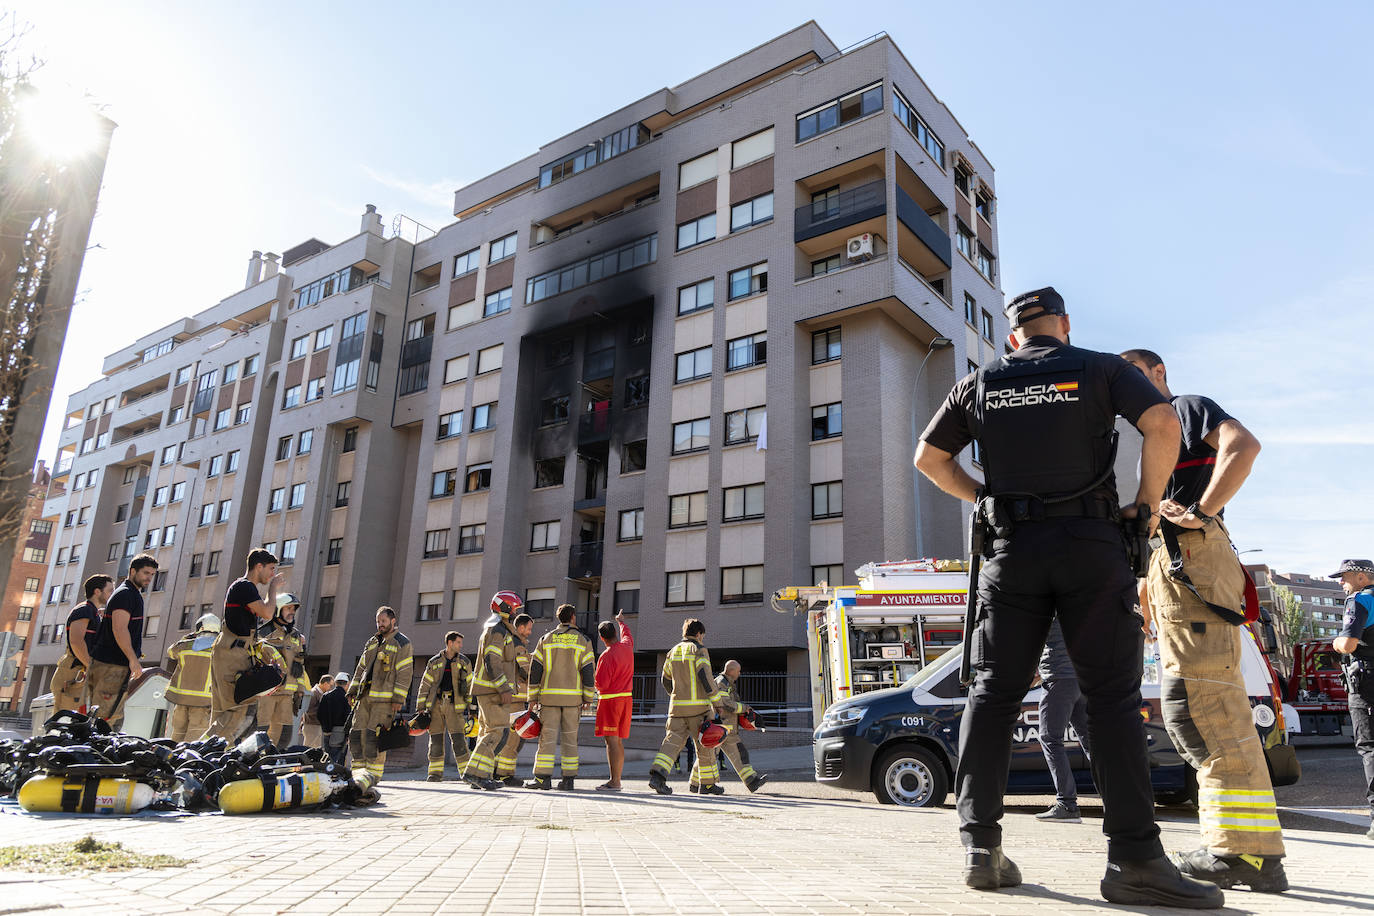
(1259,873)
(565,784)
(1158,882)
(989,869)
(757,782)
(540,782)
(659,784)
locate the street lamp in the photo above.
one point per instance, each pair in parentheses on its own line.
(939,343)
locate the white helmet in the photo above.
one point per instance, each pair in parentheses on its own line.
(208,623)
(286,599)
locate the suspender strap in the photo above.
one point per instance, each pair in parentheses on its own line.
(1169,531)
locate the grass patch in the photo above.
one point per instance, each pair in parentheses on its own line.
(86,854)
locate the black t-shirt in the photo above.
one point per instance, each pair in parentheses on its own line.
(125,598)
(446,682)
(237,617)
(87,612)
(1199,416)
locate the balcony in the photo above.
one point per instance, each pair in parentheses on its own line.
(598,365)
(595,424)
(584,560)
(848,208)
(204,398)
(926,230)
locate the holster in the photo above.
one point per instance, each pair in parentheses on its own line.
(1136,532)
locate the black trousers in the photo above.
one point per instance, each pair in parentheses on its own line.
(1364,742)
(1075,568)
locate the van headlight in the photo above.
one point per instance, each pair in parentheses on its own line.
(839,717)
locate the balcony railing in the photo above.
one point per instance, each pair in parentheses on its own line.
(925,228)
(845,209)
(584,561)
(595,425)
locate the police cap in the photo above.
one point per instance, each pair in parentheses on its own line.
(1035,304)
(1363,566)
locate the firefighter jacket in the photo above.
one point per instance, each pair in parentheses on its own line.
(730,701)
(563,669)
(189,660)
(498,652)
(687,679)
(461,673)
(522,663)
(290,645)
(384,668)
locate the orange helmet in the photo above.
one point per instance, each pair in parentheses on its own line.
(712,734)
(506,603)
(526,725)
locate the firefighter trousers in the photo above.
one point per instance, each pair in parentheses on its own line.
(108,690)
(68,684)
(362,741)
(228,659)
(735,752)
(682,729)
(187,723)
(494,737)
(558,724)
(1206,707)
(445,719)
(276,716)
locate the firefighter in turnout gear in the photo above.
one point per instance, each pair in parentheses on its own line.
(693,696)
(189,689)
(83,625)
(727,682)
(277,713)
(445,691)
(494,683)
(504,772)
(381,684)
(245,608)
(562,684)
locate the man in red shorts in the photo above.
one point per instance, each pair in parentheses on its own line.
(615,671)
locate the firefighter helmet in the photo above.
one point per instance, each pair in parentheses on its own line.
(393,737)
(749,721)
(419,725)
(526,725)
(208,623)
(712,733)
(506,603)
(286,599)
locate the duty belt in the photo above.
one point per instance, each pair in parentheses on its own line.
(1031,509)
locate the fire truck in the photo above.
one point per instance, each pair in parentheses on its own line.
(1316,690)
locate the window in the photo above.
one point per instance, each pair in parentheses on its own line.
(691,435)
(637,391)
(984,203)
(697,297)
(231,465)
(350,439)
(297,496)
(627,596)
(832,574)
(222,419)
(693,364)
(129,474)
(631,525)
(539,602)
(314,389)
(35,555)
(450,425)
(696,231)
(743,425)
(70,520)
(250,366)
(558,352)
(687,587)
(349,352)
(456,369)
(183,376)
(744,352)
(919,129)
(31,584)
(207,514)
(827,499)
(826,421)
(436,543)
(169,454)
(741,583)
(244,412)
(490,359)
(335,552)
(825,265)
(497,302)
(291,397)
(176,414)
(305,442)
(87,445)
(443,483)
(553,411)
(743,502)
(226,506)
(54,594)
(502,248)
(695,171)
(159,584)
(484,416)
(478,478)
(25,612)
(169,536)
(686,510)
(160,496)
(634,456)
(288,552)
(580,273)
(748,281)
(963,179)
(752,148)
(987,264)
(337,282)
(197,565)
(215,467)
(544,536)
(212,563)
(622,141)
(840,111)
(964,239)
(548,472)
(466,262)
(970,310)
(472,538)
(284,447)
(325,615)
(751,212)
(987,325)
(427,610)
(152,539)
(825,345)
(300,346)
(61,557)
(178,492)
(324,337)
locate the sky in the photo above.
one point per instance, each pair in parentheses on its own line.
(1193,178)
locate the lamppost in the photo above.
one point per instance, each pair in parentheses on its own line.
(939,343)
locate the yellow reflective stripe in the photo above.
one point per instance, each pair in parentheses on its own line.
(1235,793)
(1253,828)
(561,691)
(615,696)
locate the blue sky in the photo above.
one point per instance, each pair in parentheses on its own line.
(1194,178)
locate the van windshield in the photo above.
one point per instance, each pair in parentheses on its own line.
(935,669)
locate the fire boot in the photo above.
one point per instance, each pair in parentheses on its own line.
(1158,882)
(540,782)
(1259,873)
(659,784)
(565,784)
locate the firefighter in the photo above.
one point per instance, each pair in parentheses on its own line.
(83,625)
(232,653)
(381,685)
(693,696)
(494,683)
(445,691)
(277,712)
(1044,419)
(504,771)
(727,682)
(1195,589)
(562,684)
(188,659)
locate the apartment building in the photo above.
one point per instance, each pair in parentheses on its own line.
(24,591)
(673,361)
(1322,602)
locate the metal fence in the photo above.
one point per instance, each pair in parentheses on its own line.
(779,698)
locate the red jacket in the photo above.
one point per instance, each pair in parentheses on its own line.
(615,668)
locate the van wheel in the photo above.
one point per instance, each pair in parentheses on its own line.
(1185,796)
(910,776)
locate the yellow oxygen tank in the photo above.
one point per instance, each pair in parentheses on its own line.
(85,795)
(293,790)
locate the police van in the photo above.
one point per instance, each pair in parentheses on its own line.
(902,742)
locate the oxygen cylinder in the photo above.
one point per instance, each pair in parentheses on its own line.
(294,790)
(85,795)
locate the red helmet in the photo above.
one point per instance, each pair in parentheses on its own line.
(526,725)
(748,721)
(712,733)
(506,603)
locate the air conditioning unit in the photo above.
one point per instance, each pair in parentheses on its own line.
(859,248)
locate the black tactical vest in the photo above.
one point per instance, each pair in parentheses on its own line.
(1044,424)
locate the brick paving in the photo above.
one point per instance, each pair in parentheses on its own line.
(441,847)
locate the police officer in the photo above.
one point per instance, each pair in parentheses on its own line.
(1357,640)
(1043,416)
(189,688)
(277,712)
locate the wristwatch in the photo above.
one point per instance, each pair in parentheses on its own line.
(1195,512)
